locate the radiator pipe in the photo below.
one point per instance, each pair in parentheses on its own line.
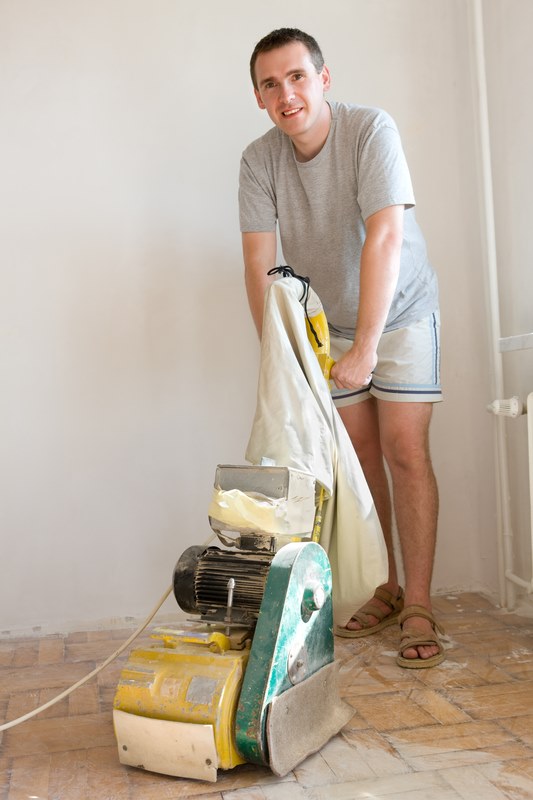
(505,533)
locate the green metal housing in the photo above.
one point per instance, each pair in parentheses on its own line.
(293,639)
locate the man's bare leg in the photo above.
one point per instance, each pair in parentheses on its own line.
(362,423)
(399,431)
(404,430)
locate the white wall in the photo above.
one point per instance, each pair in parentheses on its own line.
(128,359)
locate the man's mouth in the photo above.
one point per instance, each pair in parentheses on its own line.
(291,111)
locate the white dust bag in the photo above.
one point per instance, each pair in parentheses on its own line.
(297,425)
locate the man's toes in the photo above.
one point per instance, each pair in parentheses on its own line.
(353,625)
(427,651)
(422,651)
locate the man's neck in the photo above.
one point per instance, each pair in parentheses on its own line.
(311,143)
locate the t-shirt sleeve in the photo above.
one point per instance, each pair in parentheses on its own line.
(257,207)
(383,174)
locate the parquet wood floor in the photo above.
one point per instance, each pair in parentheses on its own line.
(460,730)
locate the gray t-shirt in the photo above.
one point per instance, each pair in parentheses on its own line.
(321,207)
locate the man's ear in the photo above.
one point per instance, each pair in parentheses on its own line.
(326,78)
(258,98)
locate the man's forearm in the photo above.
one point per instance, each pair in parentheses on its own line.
(256,287)
(259,253)
(379,269)
(380,264)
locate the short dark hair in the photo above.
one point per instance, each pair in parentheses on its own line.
(281,37)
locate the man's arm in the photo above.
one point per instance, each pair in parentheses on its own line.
(380,265)
(259,252)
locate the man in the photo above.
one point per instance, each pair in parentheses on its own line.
(335,180)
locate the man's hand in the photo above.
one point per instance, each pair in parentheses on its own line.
(354,369)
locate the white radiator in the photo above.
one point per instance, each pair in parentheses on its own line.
(514,407)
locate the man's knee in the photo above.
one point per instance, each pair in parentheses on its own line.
(405,439)
(407,455)
(369,453)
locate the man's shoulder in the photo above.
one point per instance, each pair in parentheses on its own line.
(269,142)
(359,117)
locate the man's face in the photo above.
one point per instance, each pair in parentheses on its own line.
(290,89)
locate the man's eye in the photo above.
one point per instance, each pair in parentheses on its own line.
(297,76)
(269,85)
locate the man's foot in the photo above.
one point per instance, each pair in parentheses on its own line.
(380,612)
(420,646)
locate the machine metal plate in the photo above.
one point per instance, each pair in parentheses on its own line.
(301,720)
(173,748)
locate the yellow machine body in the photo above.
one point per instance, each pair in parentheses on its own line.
(193,680)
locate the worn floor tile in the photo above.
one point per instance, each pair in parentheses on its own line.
(375,679)
(210,796)
(473,621)
(512,644)
(69,775)
(51,650)
(345,761)
(148,784)
(58,709)
(412,786)
(97,650)
(357,723)
(487,671)
(60,734)
(438,707)
(5,775)
(314,771)
(26,654)
(21,703)
(175,790)
(460,758)
(7,651)
(280,791)
(391,711)
(514,778)
(106,774)
(84,700)
(253,793)
(494,702)
(30,776)
(372,748)
(521,727)
(49,676)
(469,736)
(471,784)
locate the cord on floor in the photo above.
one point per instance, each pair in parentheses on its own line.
(88,677)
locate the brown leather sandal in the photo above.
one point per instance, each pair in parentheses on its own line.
(419,639)
(370,610)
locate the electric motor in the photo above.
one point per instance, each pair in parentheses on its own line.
(201,578)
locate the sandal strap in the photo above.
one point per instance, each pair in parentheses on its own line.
(370,610)
(363,615)
(412,640)
(420,611)
(394,603)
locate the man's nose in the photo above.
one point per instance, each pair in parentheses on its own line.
(287,92)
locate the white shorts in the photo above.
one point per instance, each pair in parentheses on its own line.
(408,368)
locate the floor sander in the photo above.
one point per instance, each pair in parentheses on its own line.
(250,676)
